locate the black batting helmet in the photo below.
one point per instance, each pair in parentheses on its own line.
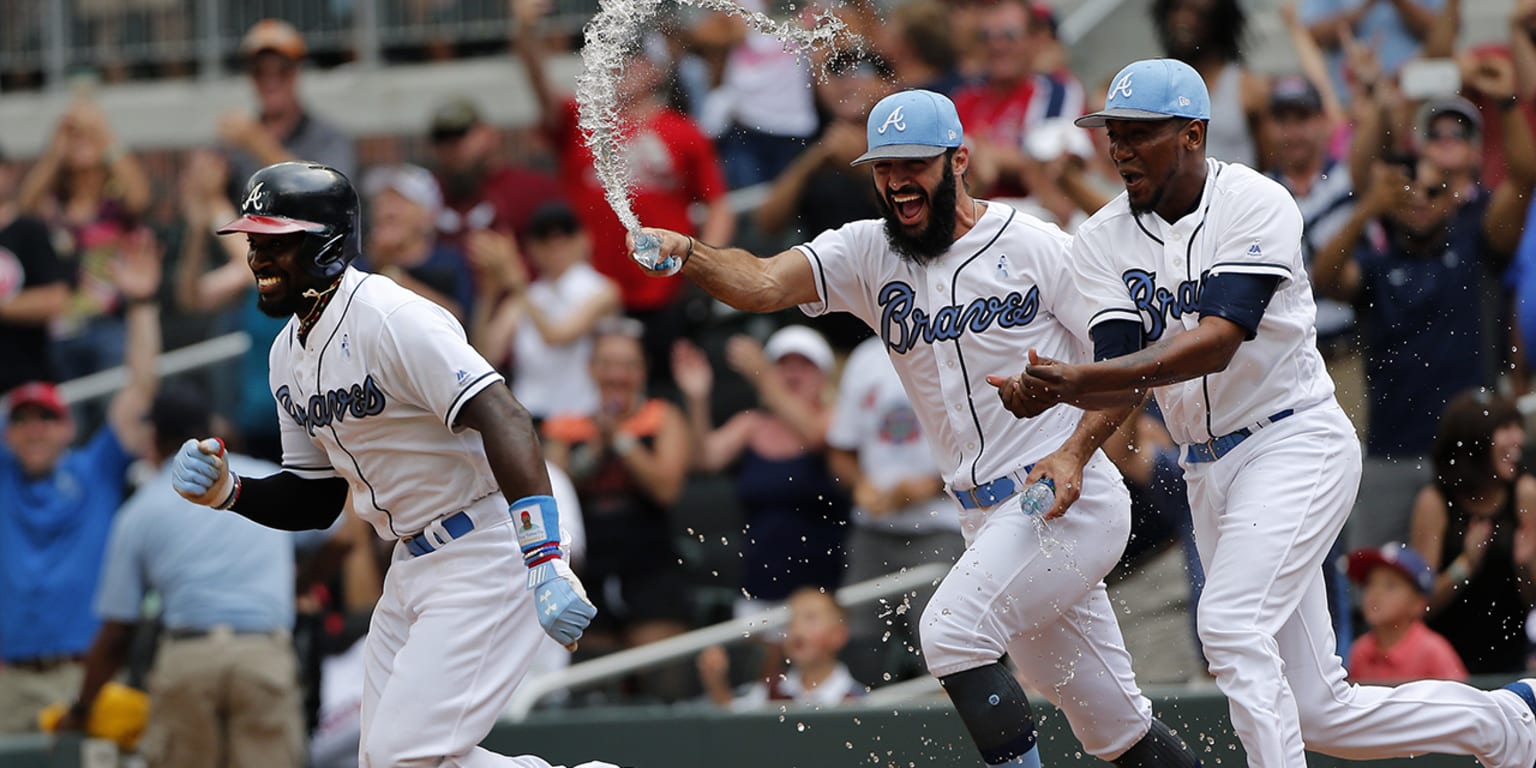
(303,197)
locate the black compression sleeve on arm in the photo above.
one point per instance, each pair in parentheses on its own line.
(288,502)
(1113,338)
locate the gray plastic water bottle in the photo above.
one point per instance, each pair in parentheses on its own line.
(1038,497)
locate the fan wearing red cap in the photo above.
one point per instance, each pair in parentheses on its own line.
(56,507)
(1398,647)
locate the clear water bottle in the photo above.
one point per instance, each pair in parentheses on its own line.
(648,255)
(1038,497)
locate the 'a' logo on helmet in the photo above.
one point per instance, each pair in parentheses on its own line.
(256,199)
(1122,88)
(895,119)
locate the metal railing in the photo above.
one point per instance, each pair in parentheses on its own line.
(182,360)
(622,663)
(45,41)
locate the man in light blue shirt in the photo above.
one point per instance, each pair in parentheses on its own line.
(225,680)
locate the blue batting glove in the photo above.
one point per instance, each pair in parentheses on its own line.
(202,476)
(561,601)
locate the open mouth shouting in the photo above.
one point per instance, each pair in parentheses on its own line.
(908,203)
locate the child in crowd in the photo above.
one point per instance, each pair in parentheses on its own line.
(817,632)
(1398,647)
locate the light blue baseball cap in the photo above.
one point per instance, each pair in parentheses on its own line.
(909,124)
(1153,89)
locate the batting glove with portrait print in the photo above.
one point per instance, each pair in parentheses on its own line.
(561,601)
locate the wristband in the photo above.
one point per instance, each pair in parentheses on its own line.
(234,495)
(537,521)
(689,254)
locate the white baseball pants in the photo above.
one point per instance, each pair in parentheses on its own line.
(1037,593)
(1265,516)
(449,641)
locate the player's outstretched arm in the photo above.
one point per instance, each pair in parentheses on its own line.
(735,276)
(1065,465)
(284,501)
(1206,349)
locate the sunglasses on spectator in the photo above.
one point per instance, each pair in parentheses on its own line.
(448,137)
(1456,132)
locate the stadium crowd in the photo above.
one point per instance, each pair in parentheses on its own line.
(725,464)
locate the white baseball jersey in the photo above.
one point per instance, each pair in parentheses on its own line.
(874,418)
(373,396)
(1142,268)
(1003,288)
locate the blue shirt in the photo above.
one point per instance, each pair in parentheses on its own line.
(1425,339)
(211,568)
(53,531)
(1381,28)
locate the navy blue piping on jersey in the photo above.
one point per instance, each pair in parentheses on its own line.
(965,376)
(373,496)
(821,274)
(453,406)
(1189,274)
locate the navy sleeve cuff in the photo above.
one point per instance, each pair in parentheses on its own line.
(1239,297)
(1114,338)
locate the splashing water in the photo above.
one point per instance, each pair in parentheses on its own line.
(603,56)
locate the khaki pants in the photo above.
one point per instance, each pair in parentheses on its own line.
(23,693)
(224,700)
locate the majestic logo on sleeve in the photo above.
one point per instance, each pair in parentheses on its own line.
(903,324)
(358,401)
(1160,305)
(894,120)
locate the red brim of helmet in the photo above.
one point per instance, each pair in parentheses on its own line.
(269,225)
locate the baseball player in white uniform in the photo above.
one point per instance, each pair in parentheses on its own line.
(1197,289)
(957,288)
(380,396)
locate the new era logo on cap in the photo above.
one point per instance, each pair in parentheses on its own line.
(910,124)
(1153,89)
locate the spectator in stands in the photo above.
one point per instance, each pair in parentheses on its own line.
(1397,647)
(796,514)
(672,166)
(480,193)
(1300,131)
(227,287)
(403,204)
(1208,35)
(763,112)
(821,190)
(817,633)
(545,327)
(1413,257)
(282,129)
(1394,28)
(901,516)
(628,459)
(224,687)
(918,46)
(34,289)
(58,506)
(1011,99)
(91,194)
(1476,527)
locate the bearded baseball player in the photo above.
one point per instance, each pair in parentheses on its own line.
(380,396)
(1197,290)
(957,287)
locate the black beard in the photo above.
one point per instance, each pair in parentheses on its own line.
(931,243)
(282,308)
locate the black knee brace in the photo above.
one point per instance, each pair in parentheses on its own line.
(993,707)
(1159,748)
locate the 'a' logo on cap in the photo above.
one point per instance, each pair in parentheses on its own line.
(256,200)
(1122,88)
(895,119)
